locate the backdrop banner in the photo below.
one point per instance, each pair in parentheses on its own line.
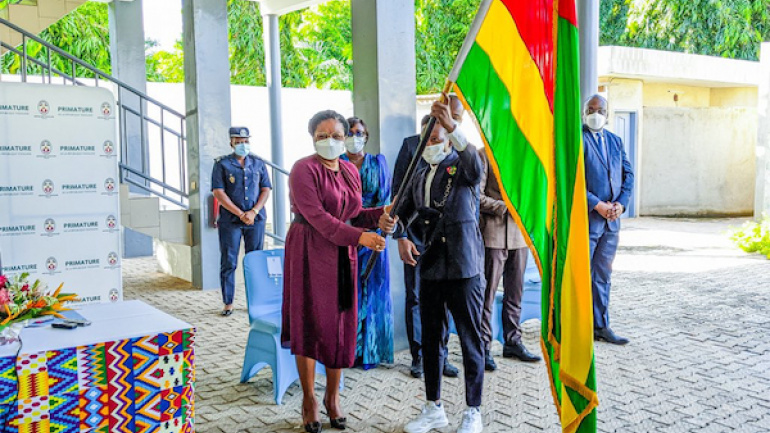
(59,192)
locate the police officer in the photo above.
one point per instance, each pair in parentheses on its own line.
(241,185)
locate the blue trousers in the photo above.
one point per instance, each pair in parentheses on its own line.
(465,299)
(229,244)
(604,245)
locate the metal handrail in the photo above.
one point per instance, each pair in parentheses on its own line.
(93,69)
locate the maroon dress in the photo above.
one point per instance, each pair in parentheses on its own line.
(314,323)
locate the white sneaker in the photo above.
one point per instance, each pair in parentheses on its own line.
(432,416)
(471,421)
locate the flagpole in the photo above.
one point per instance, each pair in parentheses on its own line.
(459,60)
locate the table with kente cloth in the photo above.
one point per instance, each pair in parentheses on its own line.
(132,370)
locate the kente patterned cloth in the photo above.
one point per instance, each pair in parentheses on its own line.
(137,385)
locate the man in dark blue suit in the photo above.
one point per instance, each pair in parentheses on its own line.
(609,183)
(408,243)
(441,206)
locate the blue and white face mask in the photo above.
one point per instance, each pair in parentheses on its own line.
(242,149)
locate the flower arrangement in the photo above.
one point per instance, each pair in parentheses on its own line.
(21,300)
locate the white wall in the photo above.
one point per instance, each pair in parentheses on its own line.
(698,161)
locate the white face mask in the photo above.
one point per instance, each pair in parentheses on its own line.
(596,121)
(355,144)
(329,148)
(434,154)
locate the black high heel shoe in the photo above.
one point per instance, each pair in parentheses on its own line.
(313,427)
(338,423)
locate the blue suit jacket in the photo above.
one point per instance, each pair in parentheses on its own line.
(453,245)
(607,179)
(408,148)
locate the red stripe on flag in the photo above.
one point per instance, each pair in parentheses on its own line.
(567,11)
(534,20)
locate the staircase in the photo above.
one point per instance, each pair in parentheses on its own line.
(153,147)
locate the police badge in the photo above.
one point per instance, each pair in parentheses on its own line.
(232,179)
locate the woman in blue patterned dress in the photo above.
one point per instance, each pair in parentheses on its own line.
(374,343)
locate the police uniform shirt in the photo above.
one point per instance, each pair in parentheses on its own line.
(241,184)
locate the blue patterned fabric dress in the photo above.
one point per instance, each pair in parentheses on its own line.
(374,344)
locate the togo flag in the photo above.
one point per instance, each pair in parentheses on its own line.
(517,74)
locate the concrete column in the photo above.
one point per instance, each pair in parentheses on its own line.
(273,72)
(384,96)
(207,98)
(128,65)
(588,22)
(762,189)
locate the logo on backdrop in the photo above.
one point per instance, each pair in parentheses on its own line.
(112,260)
(109,148)
(44,110)
(46,150)
(49,228)
(7,150)
(111,224)
(106,110)
(109,186)
(17,230)
(114,295)
(51,265)
(16,190)
(48,188)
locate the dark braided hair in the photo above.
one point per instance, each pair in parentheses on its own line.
(319,117)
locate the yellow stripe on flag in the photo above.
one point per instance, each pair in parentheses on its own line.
(500,39)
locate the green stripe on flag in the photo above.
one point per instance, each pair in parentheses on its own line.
(522,174)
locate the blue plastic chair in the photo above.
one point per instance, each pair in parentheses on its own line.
(264,296)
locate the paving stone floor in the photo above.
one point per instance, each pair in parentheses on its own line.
(696,309)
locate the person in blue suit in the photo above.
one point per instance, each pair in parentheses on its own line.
(241,184)
(408,244)
(609,184)
(441,206)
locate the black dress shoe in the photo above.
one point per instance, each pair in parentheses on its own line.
(313,427)
(606,334)
(489,363)
(518,351)
(416,369)
(450,370)
(338,423)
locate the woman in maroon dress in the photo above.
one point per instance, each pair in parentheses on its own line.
(319,296)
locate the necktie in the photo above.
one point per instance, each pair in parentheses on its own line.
(602,146)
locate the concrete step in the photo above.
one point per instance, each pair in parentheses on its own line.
(143,213)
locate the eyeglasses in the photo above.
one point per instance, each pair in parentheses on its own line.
(357,134)
(601,111)
(323,136)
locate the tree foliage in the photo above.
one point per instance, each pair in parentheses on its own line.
(84,33)
(316,43)
(726,28)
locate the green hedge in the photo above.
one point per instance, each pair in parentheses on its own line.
(753,237)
